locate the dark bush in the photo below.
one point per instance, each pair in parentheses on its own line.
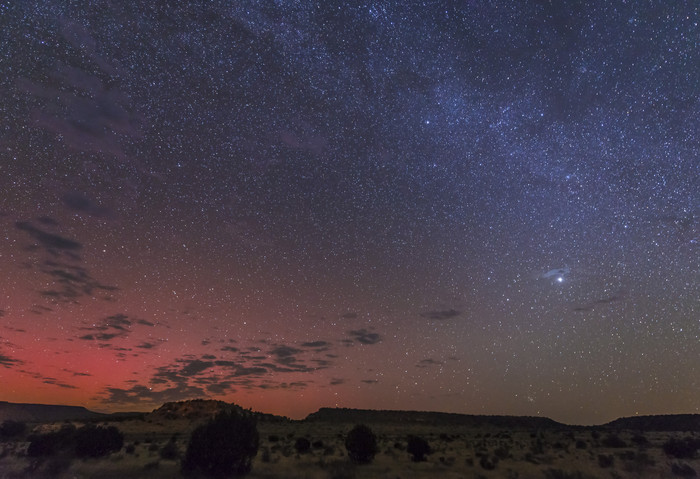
(640,440)
(170,451)
(502,452)
(273,438)
(488,462)
(91,441)
(613,440)
(317,444)
(581,444)
(361,444)
(130,449)
(52,442)
(418,448)
(605,461)
(11,429)
(224,446)
(302,445)
(685,448)
(683,470)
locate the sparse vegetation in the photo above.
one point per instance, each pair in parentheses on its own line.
(685,448)
(225,446)
(361,444)
(400,449)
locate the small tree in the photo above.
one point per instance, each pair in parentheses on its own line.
(225,446)
(361,444)
(418,448)
(91,441)
(11,429)
(302,445)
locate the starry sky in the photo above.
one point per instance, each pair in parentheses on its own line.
(482,207)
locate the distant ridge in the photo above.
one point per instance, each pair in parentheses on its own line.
(666,422)
(45,412)
(340,415)
(196,409)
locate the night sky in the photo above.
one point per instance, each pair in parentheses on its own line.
(482,207)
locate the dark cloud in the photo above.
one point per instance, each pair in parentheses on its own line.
(143,322)
(77,373)
(364,336)
(229,349)
(47,220)
(424,363)
(8,362)
(70,280)
(39,309)
(441,315)
(349,315)
(195,367)
(50,241)
(315,344)
(146,345)
(619,296)
(82,204)
(370,381)
(115,326)
(284,351)
(337,381)
(145,394)
(55,382)
(84,106)
(220,387)
(2,313)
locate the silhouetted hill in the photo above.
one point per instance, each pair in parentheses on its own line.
(666,422)
(196,409)
(368,416)
(45,412)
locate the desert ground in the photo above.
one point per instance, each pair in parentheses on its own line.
(457,452)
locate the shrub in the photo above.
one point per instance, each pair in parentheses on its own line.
(130,448)
(418,448)
(170,451)
(605,461)
(91,441)
(361,444)
(581,444)
(685,448)
(613,440)
(683,470)
(302,445)
(11,429)
(225,446)
(488,462)
(41,445)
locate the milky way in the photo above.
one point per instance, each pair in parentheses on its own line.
(474,207)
